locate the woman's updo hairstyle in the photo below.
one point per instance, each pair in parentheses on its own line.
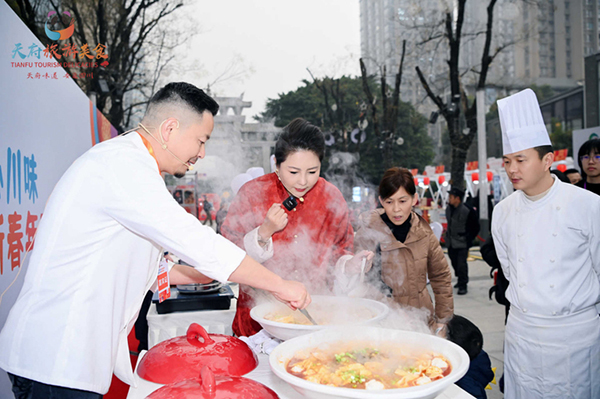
(299,135)
(393,179)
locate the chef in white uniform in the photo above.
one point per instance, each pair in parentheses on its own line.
(547,237)
(98,247)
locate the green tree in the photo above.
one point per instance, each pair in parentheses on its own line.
(543,92)
(350,113)
(561,138)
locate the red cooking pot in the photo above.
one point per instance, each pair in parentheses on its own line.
(182,358)
(210,387)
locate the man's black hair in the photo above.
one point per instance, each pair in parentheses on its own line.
(194,97)
(569,171)
(465,334)
(543,150)
(457,192)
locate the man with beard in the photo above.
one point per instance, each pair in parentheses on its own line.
(547,239)
(98,248)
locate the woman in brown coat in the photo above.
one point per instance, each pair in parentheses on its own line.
(407,251)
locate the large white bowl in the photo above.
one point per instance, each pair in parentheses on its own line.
(336,310)
(282,354)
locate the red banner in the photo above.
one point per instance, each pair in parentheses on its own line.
(474,165)
(561,155)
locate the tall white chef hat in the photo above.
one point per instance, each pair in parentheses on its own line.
(521,122)
(255,172)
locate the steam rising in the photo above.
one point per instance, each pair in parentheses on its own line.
(225,159)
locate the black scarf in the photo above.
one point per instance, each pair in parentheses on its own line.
(399,231)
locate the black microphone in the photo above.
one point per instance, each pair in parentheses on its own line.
(290,203)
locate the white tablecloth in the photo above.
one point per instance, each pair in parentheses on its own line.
(264,375)
(165,326)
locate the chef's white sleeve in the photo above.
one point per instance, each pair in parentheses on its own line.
(141,203)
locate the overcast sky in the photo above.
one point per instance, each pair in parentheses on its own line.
(272,42)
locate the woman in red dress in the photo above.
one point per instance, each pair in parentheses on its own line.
(311,242)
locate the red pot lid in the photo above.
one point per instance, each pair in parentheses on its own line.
(182,358)
(209,386)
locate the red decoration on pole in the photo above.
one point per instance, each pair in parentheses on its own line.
(416,181)
(441,179)
(426,181)
(562,167)
(490,175)
(475,177)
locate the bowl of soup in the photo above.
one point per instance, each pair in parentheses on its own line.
(328,311)
(369,362)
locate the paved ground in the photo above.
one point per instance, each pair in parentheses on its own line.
(487,314)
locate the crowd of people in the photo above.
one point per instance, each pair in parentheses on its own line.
(290,232)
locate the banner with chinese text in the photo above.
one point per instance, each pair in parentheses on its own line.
(45,124)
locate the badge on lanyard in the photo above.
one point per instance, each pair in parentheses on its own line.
(164,288)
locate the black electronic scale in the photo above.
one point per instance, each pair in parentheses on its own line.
(193,297)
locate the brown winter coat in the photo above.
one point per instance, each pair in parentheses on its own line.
(406,266)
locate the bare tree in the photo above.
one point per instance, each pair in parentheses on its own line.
(138,36)
(386,130)
(458,106)
(336,118)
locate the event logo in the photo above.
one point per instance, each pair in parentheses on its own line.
(79,58)
(62,34)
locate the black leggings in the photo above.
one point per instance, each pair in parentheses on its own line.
(458,258)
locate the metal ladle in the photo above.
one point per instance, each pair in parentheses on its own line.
(305,313)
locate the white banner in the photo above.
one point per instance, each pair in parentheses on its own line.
(46,122)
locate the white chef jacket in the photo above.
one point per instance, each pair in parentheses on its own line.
(550,252)
(96,254)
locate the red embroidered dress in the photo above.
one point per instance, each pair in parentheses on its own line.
(318,233)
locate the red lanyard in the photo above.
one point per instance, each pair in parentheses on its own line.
(150,150)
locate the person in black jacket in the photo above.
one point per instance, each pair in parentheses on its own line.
(457,239)
(465,334)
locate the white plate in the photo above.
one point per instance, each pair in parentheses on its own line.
(282,354)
